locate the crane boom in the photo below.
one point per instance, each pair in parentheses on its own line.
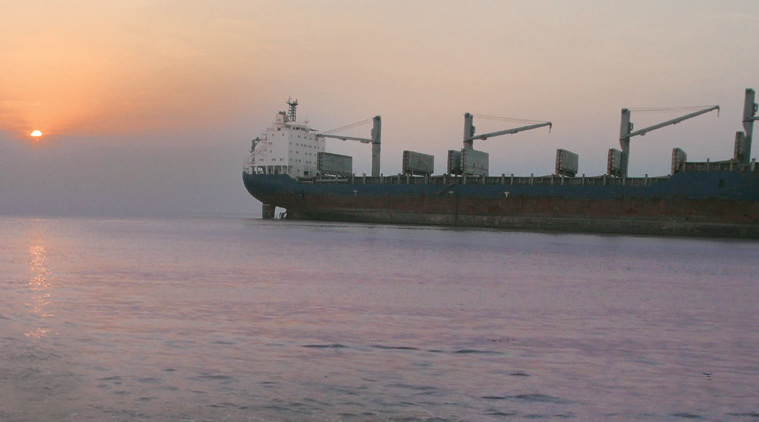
(626,132)
(347,138)
(469,135)
(672,122)
(511,131)
(375,140)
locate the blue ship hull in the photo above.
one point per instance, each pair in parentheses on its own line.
(702,203)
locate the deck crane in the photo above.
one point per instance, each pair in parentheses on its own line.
(375,140)
(626,132)
(469,135)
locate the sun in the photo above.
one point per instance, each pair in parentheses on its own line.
(35,134)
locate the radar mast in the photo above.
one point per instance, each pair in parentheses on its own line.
(291,112)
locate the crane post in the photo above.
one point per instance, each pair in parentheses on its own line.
(625,128)
(749,112)
(376,145)
(468,131)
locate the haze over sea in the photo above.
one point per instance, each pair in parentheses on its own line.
(239,319)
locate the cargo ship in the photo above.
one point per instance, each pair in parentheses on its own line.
(289,168)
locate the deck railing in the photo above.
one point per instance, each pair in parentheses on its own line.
(402,179)
(503,179)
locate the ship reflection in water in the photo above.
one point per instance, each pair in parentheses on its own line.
(40,286)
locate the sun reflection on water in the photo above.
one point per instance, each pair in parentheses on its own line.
(40,285)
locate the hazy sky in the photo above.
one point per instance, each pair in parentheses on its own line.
(148,107)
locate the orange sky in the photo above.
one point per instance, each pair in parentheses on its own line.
(184,74)
(107,67)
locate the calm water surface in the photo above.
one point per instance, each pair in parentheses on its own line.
(251,320)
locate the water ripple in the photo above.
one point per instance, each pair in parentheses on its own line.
(749,414)
(325,346)
(476,352)
(530,398)
(686,415)
(379,346)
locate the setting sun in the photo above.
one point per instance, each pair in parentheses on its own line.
(36,133)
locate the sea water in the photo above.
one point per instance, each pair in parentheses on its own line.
(235,319)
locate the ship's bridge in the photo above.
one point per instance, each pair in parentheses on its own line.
(287,147)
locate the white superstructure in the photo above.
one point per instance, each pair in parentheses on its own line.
(288,147)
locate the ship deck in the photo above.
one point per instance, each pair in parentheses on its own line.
(547,180)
